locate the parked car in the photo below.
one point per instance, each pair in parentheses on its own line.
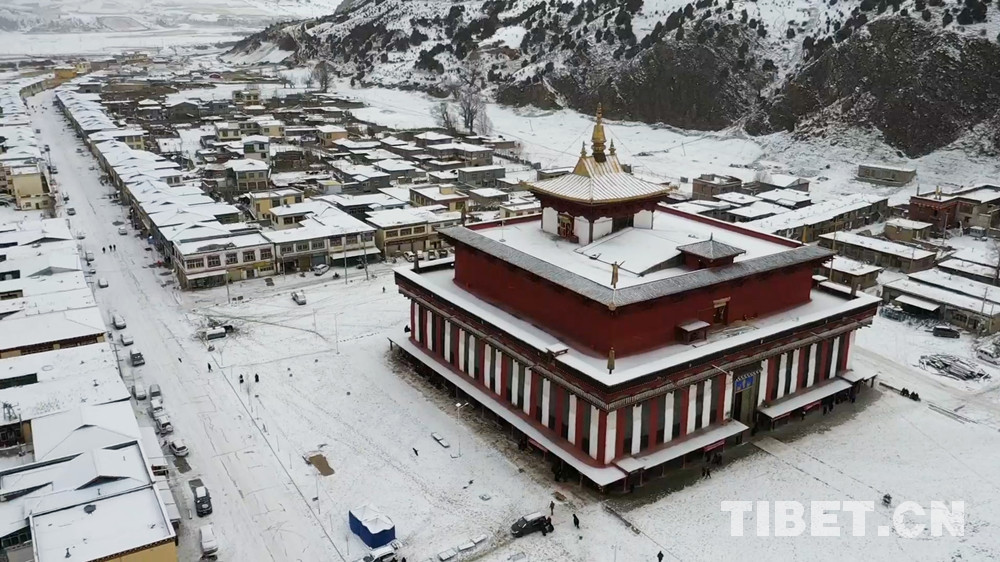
(360,266)
(209,544)
(126,339)
(139,391)
(531,523)
(117,321)
(70,211)
(202,501)
(320,269)
(178,448)
(65,198)
(163,423)
(943,331)
(89,256)
(299,297)
(989,353)
(135,358)
(443,253)
(155,406)
(122,230)
(381,554)
(154,391)
(102,283)
(408,256)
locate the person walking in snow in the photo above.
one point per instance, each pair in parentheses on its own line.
(103,249)
(241,379)
(415,452)
(659,556)
(256,377)
(552,508)
(209,367)
(576,521)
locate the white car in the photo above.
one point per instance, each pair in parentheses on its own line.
(320,269)
(122,231)
(127,340)
(178,448)
(102,283)
(139,391)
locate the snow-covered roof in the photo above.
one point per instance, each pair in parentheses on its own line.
(958,284)
(256,138)
(908,224)
(83,428)
(878,245)
(784,196)
(391,218)
(247,165)
(888,167)
(939,295)
(440,193)
(849,266)
(737,198)
(67,378)
(711,249)
(587,271)
(815,213)
(433,136)
(757,210)
(333,129)
(229,243)
(603,188)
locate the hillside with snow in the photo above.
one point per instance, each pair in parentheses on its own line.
(919,72)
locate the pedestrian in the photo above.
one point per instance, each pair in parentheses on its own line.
(103,249)
(383,289)
(416,452)
(552,508)
(179,360)
(659,556)
(256,377)
(209,367)
(576,521)
(241,379)
(708,473)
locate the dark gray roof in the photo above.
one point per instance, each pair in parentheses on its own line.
(711,250)
(636,293)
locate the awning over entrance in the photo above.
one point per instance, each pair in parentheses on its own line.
(599,475)
(206,275)
(354,253)
(804,398)
(695,442)
(856,376)
(917,303)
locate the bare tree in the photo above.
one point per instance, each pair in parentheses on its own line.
(470,106)
(484,126)
(443,114)
(321,74)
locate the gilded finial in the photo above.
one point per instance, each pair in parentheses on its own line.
(598,138)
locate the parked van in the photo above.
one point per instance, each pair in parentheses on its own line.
(154,391)
(163,423)
(155,406)
(135,358)
(209,544)
(943,331)
(117,321)
(89,256)
(215,333)
(299,297)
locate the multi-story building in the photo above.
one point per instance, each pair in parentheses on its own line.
(247,175)
(446,195)
(214,262)
(411,230)
(260,203)
(330,133)
(330,237)
(481,176)
(624,338)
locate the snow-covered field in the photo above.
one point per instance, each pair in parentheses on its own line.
(75,27)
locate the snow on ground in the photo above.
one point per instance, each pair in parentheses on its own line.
(662,153)
(71,27)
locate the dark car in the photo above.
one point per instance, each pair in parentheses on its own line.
(530,524)
(945,332)
(202,501)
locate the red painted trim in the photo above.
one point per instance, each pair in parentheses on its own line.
(823,372)
(772,377)
(685,406)
(602,435)
(413,321)
(845,348)
(481,359)
(803,369)
(455,357)
(536,398)
(654,421)
(439,344)
(556,393)
(505,365)
(422,325)
(580,406)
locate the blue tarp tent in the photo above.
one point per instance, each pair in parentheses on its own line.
(371,526)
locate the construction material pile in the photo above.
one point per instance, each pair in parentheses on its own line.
(954,367)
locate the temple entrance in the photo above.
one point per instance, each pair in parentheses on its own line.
(744,394)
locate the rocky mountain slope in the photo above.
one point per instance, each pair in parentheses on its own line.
(921,72)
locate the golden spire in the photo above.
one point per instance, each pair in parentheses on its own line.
(598,137)
(583,149)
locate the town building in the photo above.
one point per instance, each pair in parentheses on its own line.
(446,195)
(259,203)
(411,230)
(329,236)
(950,301)
(906,230)
(481,176)
(808,223)
(622,338)
(215,262)
(488,197)
(850,273)
(246,175)
(330,133)
(879,252)
(881,174)
(708,187)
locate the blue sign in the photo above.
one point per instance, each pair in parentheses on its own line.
(743,383)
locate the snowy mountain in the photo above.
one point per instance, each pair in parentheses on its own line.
(922,72)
